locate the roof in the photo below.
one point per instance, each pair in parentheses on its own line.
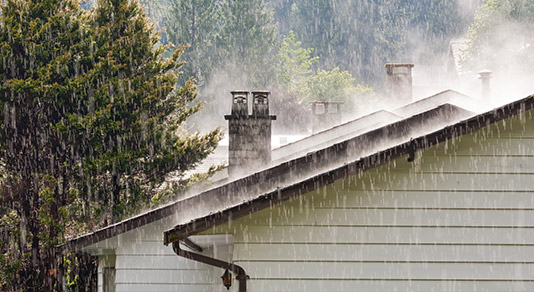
(347,153)
(304,144)
(376,159)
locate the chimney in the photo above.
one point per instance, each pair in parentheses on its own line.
(485,76)
(326,114)
(249,135)
(399,83)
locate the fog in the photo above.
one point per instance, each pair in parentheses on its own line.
(426,49)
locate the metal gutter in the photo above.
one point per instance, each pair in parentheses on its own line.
(241,274)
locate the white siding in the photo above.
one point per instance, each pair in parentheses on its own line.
(104,261)
(143,263)
(461,217)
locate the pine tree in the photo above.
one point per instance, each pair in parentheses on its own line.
(225,35)
(294,65)
(196,23)
(41,42)
(139,141)
(249,40)
(91,124)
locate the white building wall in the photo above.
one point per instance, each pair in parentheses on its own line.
(459,218)
(143,263)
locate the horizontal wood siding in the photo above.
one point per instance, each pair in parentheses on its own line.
(460,217)
(321,285)
(143,263)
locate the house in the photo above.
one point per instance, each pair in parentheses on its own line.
(435,195)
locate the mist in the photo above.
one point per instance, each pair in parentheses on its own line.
(411,36)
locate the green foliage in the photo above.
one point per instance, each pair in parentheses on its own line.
(298,85)
(248,39)
(294,66)
(91,126)
(334,85)
(11,262)
(502,28)
(361,36)
(296,78)
(198,24)
(80,272)
(225,34)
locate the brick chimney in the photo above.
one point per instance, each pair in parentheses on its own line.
(399,83)
(249,135)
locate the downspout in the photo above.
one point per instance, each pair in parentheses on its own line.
(241,274)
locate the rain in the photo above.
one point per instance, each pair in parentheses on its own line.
(266,145)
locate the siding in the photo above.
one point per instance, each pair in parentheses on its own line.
(143,263)
(458,218)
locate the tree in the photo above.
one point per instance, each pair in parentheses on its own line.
(294,65)
(334,85)
(248,40)
(297,85)
(40,44)
(196,23)
(361,36)
(141,108)
(91,124)
(501,36)
(225,35)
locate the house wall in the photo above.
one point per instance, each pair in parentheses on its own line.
(143,263)
(458,218)
(105,261)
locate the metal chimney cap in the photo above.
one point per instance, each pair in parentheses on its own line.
(260,92)
(239,92)
(411,65)
(330,102)
(483,74)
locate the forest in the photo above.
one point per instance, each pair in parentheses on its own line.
(103,99)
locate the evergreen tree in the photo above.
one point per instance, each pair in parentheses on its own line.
(198,24)
(294,66)
(41,50)
(248,40)
(91,124)
(362,35)
(139,140)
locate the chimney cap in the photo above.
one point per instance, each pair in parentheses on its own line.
(239,92)
(399,65)
(261,92)
(483,74)
(330,102)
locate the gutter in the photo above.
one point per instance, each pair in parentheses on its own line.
(241,274)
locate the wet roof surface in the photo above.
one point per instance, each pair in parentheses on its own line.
(352,146)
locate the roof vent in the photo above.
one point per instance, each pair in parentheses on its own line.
(485,76)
